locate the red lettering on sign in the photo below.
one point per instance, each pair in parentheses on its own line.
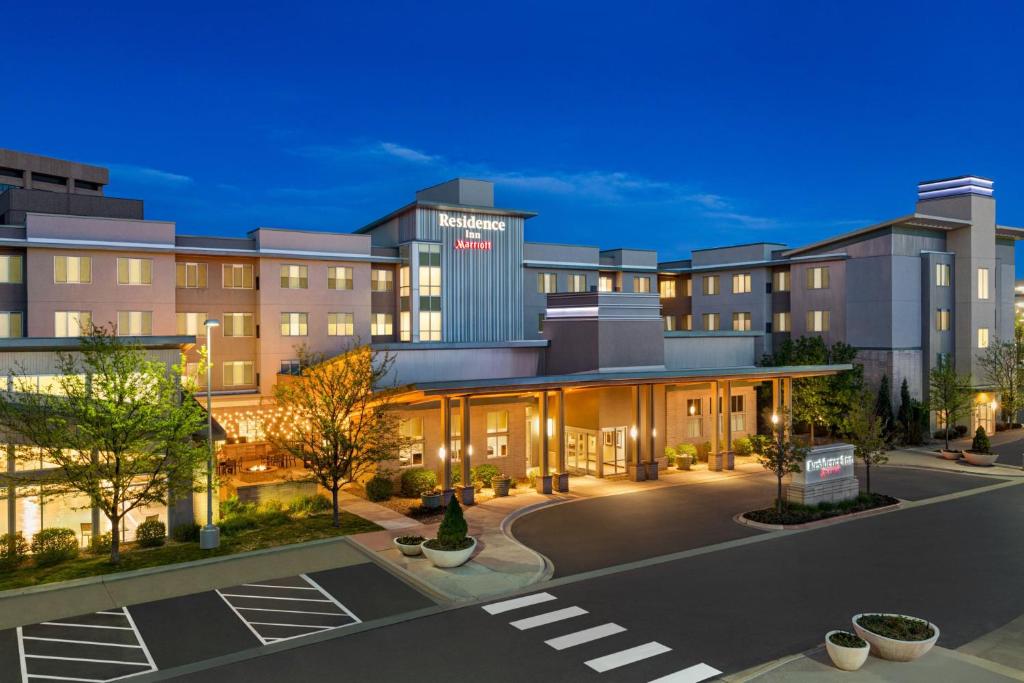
(474,245)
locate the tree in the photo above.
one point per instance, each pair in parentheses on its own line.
(781,456)
(343,426)
(864,432)
(883,408)
(1003,368)
(905,414)
(117,424)
(949,394)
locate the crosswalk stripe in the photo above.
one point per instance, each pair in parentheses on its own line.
(516,603)
(693,674)
(633,654)
(585,636)
(548,618)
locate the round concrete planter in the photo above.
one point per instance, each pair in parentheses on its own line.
(431,500)
(981,459)
(409,550)
(896,650)
(846,658)
(446,559)
(950,455)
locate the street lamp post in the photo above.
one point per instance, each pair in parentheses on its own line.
(209,535)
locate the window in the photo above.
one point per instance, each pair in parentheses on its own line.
(404,297)
(641,284)
(430,291)
(382,280)
(295,324)
(694,421)
(292,366)
(942,274)
(670,323)
(688,322)
(338,324)
(577,282)
(694,406)
(11,270)
(781,322)
(71,323)
(710,285)
(741,322)
(710,322)
(606,283)
(411,452)
(497,434)
(238,373)
(737,418)
(982,283)
(741,283)
(982,337)
(817,321)
(817,278)
(237,276)
(338,277)
(134,323)
(540,322)
(192,323)
(134,271)
(190,275)
(942,319)
(547,283)
(456,442)
(11,324)
(381,325)
(689,286)
(667,289)
(72,270)
(294,277)
(780,281)
(238,325)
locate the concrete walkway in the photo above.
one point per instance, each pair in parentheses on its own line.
(928,458)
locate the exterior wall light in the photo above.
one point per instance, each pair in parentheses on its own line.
(469,450)
(775,419)
(654,432)
(551,427)
(441,453)
(632,431)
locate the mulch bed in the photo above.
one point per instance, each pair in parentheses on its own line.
(794,513)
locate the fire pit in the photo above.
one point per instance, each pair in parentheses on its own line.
(256,473)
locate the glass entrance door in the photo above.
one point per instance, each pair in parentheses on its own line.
(613,451)
(581,450)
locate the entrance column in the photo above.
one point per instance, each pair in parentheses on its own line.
(714,462)
(544,480)
(446,448)
(636,468)
(776,398)
(727,459)
(787,406)
(652,458)
(562,480)
(467,491)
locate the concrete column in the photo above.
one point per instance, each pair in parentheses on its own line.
(652,456)
(635,467)
(776,398)
(787,397)
(544,479)
(562,480)
(467,491)
(716,426)
(727,425)
(446,431)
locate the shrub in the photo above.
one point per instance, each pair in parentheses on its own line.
(272,505)
(758,443)
(102,544)
(451,535)
(847,639)
(896,627)
(410,540)
(687,449)
(485,472)
(378,488)
(52,546)
(230,526)
(742,446)
(13,550)
(151,534)
(417,480)
(980,444)
(961,430)
(233,506)
(310,505)
(186,533)
(670,455)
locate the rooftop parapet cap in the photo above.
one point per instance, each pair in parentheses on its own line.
(950,187)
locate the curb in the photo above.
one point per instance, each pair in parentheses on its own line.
(828,521)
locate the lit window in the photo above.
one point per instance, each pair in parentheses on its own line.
(382,280)
(694,421)
(942,274)
(339,277)
(411,452)
(741,322)
(741,283)
(818,277)
(11,324)
(294,324)
(294,277)
(238,373)
(430,291)
(641,284)
(134,271)
(192,323)
(817,321)
(689,286)
(547,283)
(710,285)
(237,276)
(338,324)
(577,282)
(710,322)
(670,323)
(606,283)
(71,323)
(497,434)
(780,281)
(737,419)
(190,275)
(134,323)
(11,269)
(667,289)
(404,296)
(688,322)
(781,322)
(982,337)
(982,283)
(238,325)
(72,270)
(942,316)
(292,366)
(381,325)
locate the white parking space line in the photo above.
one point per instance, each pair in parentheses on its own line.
(79,642)
(270,585)
(587,635)
(86,659)
(64,623)
(516,603)
(633,654)
(693,674)
(548,618)
(271,597)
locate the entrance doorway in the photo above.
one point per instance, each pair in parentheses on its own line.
(581,450)
(613,450)
(985,416)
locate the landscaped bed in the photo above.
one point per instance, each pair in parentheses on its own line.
(795,513)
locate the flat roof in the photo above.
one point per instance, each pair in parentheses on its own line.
(493,210)
(73,343)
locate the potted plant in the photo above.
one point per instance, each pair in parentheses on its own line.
(687,456)
(980,452)
(896,637)
(431,499)
(452,547)
(847,651)
(410,545)
(501,483)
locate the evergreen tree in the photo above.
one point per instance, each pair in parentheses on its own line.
(451,534)
(883,407)
(906,413)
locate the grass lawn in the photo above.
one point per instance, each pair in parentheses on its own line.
(282,531)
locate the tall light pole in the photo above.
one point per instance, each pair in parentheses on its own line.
(209,535)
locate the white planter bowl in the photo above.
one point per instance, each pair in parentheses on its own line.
(982,459)
(446,559)
(895,650)
(846,658)
(408,550)
(950,455)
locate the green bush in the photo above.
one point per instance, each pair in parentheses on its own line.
(273,517)
(451,535)
(758,443)
(742,446)
(417,480)
(378,488)
(229,526)
(151,534)
(980,444)
(272,505)
(13,550)
(233,506)
(102,544)
(53,546)
(484,473)
(687,449)
(186,533)
(310,505)
(670,455)
(896,627)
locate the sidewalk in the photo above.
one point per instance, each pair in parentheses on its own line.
(930,459)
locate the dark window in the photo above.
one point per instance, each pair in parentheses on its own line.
(768,328)
(47,178)
(87,185)
(768,287)
(11,172)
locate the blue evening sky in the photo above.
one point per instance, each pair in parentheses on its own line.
(659,125)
